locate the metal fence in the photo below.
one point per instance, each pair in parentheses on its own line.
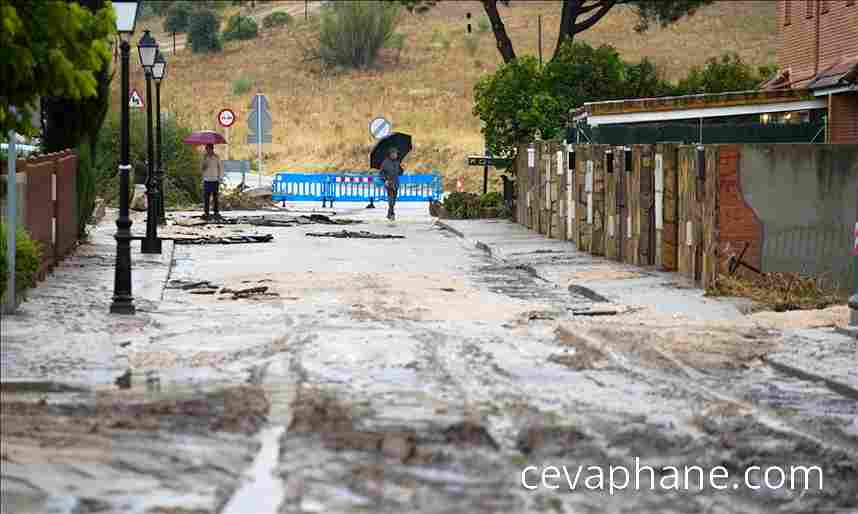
(353,187)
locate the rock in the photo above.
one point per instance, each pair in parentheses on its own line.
(398,446)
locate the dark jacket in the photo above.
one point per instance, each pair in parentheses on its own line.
(390,172)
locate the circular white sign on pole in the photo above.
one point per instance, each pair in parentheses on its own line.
(380,128)
(226,118)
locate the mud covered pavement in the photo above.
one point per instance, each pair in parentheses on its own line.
(422,374)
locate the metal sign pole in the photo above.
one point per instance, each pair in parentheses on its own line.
(227,143)
(259,136)
(11,222)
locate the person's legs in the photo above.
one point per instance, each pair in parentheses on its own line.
(216,194)
(206,192)
(391,201)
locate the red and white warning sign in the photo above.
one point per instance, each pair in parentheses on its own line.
(226,118)
(135,101)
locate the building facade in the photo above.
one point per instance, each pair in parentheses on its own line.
(818,51)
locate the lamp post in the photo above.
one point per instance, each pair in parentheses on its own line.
(148,49)
(159,71)
(123,301)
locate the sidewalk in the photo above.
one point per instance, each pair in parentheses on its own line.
(812,346)
(64,331)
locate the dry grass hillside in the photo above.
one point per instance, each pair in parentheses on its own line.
(321,119)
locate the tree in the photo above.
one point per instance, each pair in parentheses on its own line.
(50,48)
(578,16)
(68,122)
(729,73)
(178,17)
(240,27)
(522,97)
(204,31)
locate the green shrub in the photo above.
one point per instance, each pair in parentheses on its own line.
(440,40)
(483,25)
(242,85)
(277,19)
(178,17)
(463,205)
(492,200)
(204,31)
(352,33)
(86,184)
(28,257)
(240,27)
(472,44)
(181,162)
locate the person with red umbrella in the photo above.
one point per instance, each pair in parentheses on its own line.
(211,168)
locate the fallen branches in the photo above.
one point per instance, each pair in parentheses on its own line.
(226,240)
(348,234)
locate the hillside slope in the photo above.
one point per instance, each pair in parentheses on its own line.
(321,119)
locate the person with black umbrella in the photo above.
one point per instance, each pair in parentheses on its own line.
(391,169)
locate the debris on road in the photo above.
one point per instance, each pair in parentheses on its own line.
(363,234)
(268,221)
(226,240)
(588,293)
(187,285)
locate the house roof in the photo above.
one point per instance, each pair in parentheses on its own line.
(842,73)
(694,104)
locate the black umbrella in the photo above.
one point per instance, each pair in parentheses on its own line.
(398,140)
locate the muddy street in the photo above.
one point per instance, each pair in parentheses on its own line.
(458,367)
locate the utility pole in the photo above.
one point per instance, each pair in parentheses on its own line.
(540,39)
(306,13)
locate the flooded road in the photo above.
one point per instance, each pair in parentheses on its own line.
(413,375)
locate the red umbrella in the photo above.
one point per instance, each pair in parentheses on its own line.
(205,137)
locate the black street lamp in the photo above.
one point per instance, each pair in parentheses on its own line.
(123,301)
(148,49)
(159,71)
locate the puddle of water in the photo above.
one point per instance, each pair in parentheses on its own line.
(264,493)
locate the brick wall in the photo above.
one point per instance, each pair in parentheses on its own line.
(737,221)
(800,21)
(844,118)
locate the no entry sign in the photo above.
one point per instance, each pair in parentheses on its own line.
(226,118)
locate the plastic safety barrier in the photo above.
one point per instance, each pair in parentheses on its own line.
(353,187)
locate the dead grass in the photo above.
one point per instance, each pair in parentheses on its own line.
(780,292)
(321,118)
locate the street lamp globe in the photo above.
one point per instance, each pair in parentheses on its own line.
(148,48)
(126,16)
(159,69)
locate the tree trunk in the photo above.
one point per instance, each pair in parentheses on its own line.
(504,43)
(574,9)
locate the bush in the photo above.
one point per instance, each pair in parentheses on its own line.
(240,27)
(242,85)
(28,257)
(181,162)
(204,31)
(178,17)
(483,25)
(492,200)
(463,205)
(440,40)
(277,19)
(352,33)
(472,44)
(86,184)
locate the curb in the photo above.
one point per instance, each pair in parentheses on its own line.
(834,385)
(476,242)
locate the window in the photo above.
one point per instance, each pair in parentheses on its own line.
(787,11)
(809,8)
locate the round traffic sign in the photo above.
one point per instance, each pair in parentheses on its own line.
(226,118)
(380,128)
